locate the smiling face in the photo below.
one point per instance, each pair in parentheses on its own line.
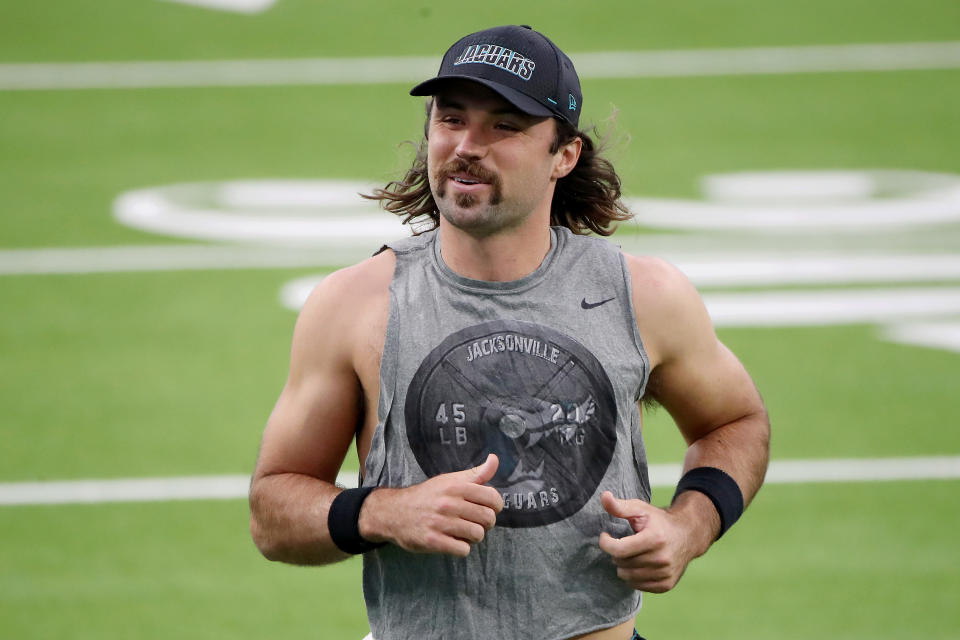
(490,166)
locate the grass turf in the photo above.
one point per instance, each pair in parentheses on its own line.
(156,374)
(135,374)
(67,155)
(118,30)
(851,561)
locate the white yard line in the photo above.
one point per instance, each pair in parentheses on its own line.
(759,268)
(705,268)
(770,60)
(134,489)
(404,70)
(236,6)
(830,307)
(787,308)
(661,475)
(72,260)
(935,335)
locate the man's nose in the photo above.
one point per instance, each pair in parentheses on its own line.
(472,144)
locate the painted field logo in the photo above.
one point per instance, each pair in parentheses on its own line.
(535,397)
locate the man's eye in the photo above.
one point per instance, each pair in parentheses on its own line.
(508,126)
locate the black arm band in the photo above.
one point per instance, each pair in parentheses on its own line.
(720,488)
(343,521)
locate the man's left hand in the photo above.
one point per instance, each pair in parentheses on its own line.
(663,544)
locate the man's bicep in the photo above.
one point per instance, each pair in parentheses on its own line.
(696,378)
(315,419)
(705,390)
(310,430)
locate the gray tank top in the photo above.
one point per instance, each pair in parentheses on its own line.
(546,372)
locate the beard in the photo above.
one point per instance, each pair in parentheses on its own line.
(480,215)
(475,171)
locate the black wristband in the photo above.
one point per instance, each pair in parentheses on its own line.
(343,521)
(722,490)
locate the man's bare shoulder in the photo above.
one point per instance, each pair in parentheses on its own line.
(358,282)
(668,307)
(657,282)
(353,289)
(344,306)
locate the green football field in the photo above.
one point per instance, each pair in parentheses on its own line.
(127,353)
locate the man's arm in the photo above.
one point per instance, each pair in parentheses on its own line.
(719,412)
(309,431)
(331,391)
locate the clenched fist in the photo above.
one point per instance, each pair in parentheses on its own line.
(445,514)
(663,543)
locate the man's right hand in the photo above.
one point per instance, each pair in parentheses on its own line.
(445,514)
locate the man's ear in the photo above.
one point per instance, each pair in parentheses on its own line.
(566,158)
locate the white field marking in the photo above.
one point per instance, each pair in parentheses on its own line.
(294,294)
(764,268)
(788,201)
(135,489)
(769,60)
(830,307)
(716,269)
(405,70)
(661,475)
(778,308)
(838,470)
(330,212)
(90,260)
(237,6)
(936,335)
(799,308)
(289,212)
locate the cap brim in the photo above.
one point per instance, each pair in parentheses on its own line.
(524,103)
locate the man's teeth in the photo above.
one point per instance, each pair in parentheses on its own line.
(465,181)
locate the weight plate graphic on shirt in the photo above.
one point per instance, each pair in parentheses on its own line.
(535,397)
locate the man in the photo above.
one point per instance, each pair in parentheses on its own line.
(491,372)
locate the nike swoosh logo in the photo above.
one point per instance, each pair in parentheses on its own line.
(593,305)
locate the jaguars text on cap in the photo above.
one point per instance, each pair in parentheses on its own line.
(497,56)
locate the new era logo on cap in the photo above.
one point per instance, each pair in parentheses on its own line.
(520,64)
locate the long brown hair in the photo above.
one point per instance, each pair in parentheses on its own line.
(586,199)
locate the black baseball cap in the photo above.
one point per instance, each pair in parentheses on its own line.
(520,64)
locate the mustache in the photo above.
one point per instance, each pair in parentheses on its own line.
(471,169)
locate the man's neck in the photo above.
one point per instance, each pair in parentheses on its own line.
(497,258)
